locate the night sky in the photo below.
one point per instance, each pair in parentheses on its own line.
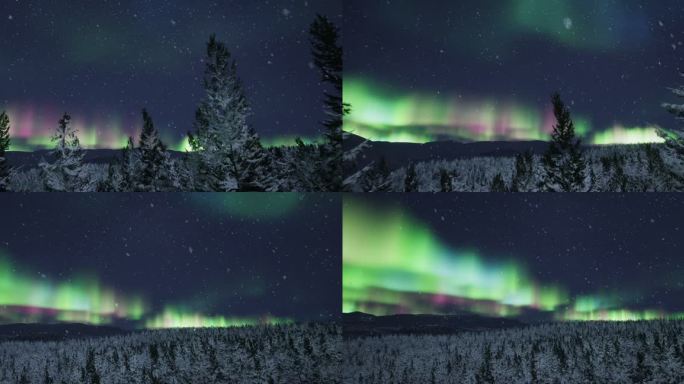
(484,70)
(103,61)
(182,259)
(570,257)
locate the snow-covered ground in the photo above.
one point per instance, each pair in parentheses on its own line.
(306,353)
(588,352)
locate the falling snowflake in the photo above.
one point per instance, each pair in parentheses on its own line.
(286,12)
(567,22)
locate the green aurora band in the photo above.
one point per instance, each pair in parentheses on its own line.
(89,140)
(32,128)
(26,299)
(381,114)
(394,264)
(173,317)
(400,257)
(81,299)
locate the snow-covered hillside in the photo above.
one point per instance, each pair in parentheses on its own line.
(587,352)
(616,168)
(296,353)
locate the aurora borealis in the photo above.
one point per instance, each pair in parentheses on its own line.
(160,261)
(175,318)
(103,63)
(32,127)
(408,259)
(535,258)
(484,71)
(416,118)
(28,298)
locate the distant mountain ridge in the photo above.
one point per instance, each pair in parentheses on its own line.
(95,156)
(55,331)
(359,324)
(401,154)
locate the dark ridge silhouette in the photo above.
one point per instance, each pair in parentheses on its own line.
(94,156)
(399,155)
(359,324)
(55,331)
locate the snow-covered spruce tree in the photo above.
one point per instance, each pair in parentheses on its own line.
(249,167)
(327,54)
(154,160)
(445,181)
(112,182)
(227,151)
(614,172)
(91,375)
(523,179)
(4,146)
(674,137)
(297,167)
(663,179)
(65,173)
(375,177)
(411,179)
(498,184)
(563,161)
(129,165)
(182,174)
(121,175)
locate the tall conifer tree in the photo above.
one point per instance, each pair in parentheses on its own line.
(4,146)
(154,159)
(65,173)
(563,161)
(327,53)
(228,152)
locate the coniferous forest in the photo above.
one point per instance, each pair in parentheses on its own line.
(306,353)
(517,96)
(338,124)
(225,153)
(593,352)
(563,164)
(170,288)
